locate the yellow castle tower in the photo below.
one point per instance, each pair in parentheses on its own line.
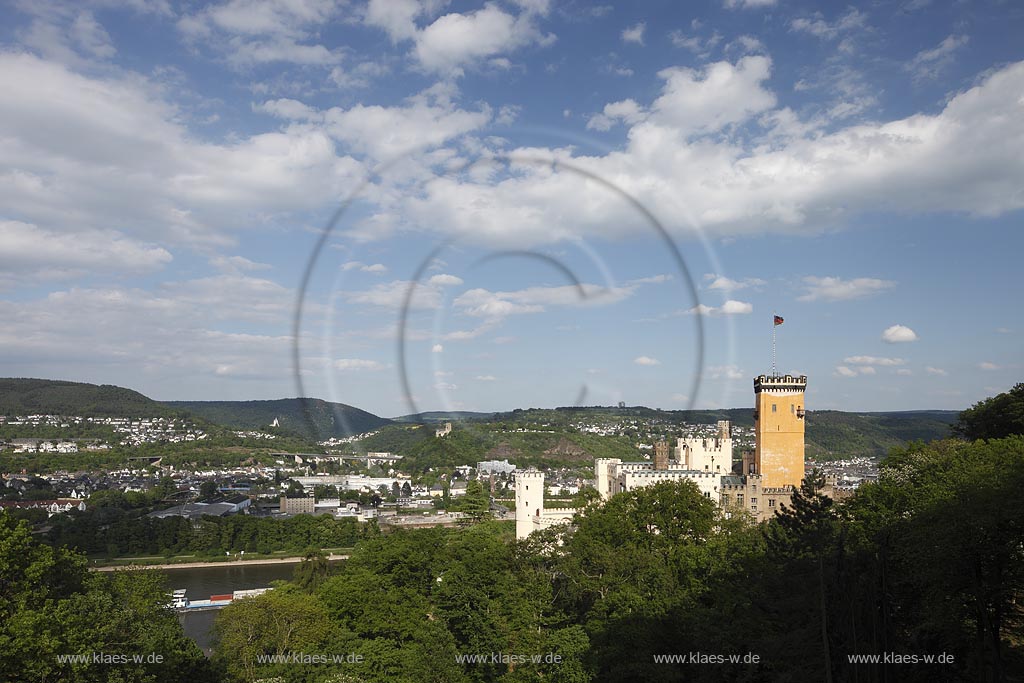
(779,429)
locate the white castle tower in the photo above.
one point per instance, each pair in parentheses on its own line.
(529,500)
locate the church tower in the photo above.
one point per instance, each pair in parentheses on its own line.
(779,429)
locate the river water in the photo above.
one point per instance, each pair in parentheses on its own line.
(202,582)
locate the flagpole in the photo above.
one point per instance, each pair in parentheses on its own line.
(774,373)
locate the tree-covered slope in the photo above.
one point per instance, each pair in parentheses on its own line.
(311,417)
(20,396)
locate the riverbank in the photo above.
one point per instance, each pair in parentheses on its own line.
(332,557)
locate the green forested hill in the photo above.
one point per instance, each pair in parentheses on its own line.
(834,434)
(19,396)
(328,419)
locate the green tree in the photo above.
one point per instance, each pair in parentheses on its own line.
(994,418)
(208,489)
(313,569)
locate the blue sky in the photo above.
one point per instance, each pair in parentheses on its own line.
(517,179)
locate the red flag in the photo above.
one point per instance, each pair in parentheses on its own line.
(779,320)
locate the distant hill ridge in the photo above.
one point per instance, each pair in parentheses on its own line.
(828,431)
(24,396)
(311,417)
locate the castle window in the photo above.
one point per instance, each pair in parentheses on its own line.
(739,499)
(753,502)
(774,407)
(792,408)
(771,502)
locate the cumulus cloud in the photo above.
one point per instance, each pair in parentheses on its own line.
(935,371)
(454,41)
(250,32)
(105,153)
(724,372)
(897,334)
(730,307)
(873,360)
(486,378)
(646,360)
(725,284)
(40,253)
(838,289)
(929,162)
(485,303)
(444,280)
(348,364)
(817,26)
(437,348)
(843,371)
(927,64)
(746,4)
(376,268)
(988,365)
(634,34)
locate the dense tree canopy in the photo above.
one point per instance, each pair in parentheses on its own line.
(995,417)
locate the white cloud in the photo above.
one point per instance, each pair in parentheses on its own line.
(260,31)
(747,4)
(803,184)
(838,289)
(394,294)
(646,360)
(485,303)
(396,17)
(444,280)
(634,34)
(346,364)
(843,371)
(1003,330)
(817,26)
(627,111)
(486,378)
(724,372)
(730,307)
(987,365)
(723,283)
(237,264)
(455,40)
(437,348)
(446,386)
(87,154)
(40,253)
(376,268)
(873,360)
(733,307)
(904,372)
(897,334)
(927,64)
(935,371)
(866,370)
(718,95)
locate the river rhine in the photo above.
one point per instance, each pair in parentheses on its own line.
(202,582)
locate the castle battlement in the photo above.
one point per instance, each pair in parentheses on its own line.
(779,384)
(687,474)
